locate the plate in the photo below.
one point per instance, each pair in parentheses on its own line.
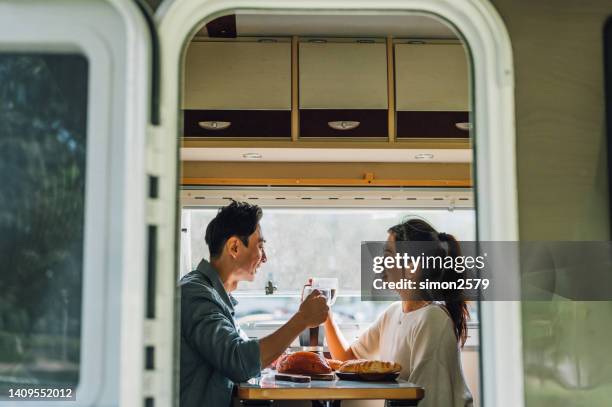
(321,376)
(368,377)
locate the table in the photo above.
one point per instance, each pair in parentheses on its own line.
(262,391)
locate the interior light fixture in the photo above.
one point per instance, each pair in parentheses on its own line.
(214,125)
(343,124)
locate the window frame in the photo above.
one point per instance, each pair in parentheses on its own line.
(318,198)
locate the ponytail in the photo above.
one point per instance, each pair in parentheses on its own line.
(454,302)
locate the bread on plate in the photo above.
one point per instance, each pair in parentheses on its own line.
(305,363)
(364,366)
(334,363)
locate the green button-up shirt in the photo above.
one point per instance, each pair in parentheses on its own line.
(215,353)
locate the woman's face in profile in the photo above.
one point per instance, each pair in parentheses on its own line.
(391,273)
(394,274)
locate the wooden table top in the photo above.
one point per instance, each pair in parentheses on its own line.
(267,388)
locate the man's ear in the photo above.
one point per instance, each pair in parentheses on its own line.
(232,246)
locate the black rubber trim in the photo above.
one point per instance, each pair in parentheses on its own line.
(151,271)
(147,12)
(150,358)
(153,186)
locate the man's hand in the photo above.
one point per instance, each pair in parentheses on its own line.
(313,310)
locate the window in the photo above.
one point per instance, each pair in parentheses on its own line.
(313,241)
(43,117)
(321,242)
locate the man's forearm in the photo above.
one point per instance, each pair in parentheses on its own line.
(273,345)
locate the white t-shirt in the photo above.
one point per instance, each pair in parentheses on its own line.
(424,343)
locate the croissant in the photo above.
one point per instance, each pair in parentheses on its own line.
(369,366)
(306,363)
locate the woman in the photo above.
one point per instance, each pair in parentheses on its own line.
(423,335)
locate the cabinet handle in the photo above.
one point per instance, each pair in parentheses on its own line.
(214,125)
(343,125)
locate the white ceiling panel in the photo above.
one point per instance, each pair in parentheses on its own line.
(327,155)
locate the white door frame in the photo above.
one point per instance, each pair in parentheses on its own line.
(493,110)
(113,37)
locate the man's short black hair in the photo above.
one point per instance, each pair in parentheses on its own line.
(238,219)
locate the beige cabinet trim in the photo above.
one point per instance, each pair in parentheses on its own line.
(391,90)
(347,182)
(202,142)
(295,108)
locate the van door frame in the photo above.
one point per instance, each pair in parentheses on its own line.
(112,36)
(483,31)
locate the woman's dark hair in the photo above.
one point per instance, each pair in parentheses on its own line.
(442,244)
(238,219)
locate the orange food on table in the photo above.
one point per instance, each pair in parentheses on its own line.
(306,363)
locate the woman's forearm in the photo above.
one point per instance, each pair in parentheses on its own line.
(338,347)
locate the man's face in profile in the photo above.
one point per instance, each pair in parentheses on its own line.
(252,256)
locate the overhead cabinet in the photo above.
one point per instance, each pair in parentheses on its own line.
(238,89)
(326,89)
(343,88)
(432,90)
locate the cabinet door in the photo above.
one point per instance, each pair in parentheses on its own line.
(432,90)
(238,89)
(343,89)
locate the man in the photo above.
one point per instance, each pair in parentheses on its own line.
(215,353)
